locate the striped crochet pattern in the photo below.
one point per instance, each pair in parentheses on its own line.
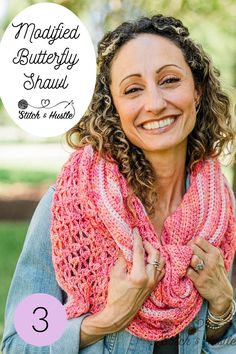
(92,223)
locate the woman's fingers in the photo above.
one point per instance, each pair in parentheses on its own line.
(143,274)
(204,253)
(138,268)
(146,273)
(155,263)
(119,267)
(153,256)
(195,260)
(204,245)
(198,252)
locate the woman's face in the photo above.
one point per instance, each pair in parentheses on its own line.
(154,93)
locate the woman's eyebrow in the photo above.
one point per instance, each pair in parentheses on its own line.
(161,68)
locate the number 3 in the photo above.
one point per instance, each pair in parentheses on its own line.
(42,319)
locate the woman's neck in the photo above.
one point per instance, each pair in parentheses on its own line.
(170,170)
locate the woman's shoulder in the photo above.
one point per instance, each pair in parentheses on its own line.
(40,222)
(49,192)
(47,196)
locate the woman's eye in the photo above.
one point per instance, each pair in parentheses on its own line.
(132,90)
(170,80)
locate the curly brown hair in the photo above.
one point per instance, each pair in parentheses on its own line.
(101,127)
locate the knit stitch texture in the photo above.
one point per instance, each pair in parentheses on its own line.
(91,223)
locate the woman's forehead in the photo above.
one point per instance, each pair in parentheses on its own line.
(146,50)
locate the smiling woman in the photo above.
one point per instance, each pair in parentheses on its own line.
(141,219)
(155,98)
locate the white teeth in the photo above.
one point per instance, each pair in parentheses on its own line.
(158,124)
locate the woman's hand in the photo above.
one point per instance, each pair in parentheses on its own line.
(128,291)
(211,282)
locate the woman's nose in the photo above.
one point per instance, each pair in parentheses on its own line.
(155,101)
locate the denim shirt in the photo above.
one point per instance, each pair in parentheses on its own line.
(35,274)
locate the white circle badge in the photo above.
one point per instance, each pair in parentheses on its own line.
(47,69)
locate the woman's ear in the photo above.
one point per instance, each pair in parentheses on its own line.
(197,94)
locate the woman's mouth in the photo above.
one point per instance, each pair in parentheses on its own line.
(159,126)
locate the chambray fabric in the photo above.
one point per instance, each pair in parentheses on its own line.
(35,274)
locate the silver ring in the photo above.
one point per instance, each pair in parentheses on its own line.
(199,266)
(156,264)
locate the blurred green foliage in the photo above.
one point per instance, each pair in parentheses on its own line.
(12,238)
(10,176)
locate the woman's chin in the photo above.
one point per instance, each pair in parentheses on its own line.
(166,147)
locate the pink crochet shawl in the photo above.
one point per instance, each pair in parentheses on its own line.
(91,222)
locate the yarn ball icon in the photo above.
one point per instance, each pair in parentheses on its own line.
(22,104)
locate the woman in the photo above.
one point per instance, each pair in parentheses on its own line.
(142,225)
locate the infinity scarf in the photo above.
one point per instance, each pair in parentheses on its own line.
(91,223)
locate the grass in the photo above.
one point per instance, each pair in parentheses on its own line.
(22,176)
(12,235)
